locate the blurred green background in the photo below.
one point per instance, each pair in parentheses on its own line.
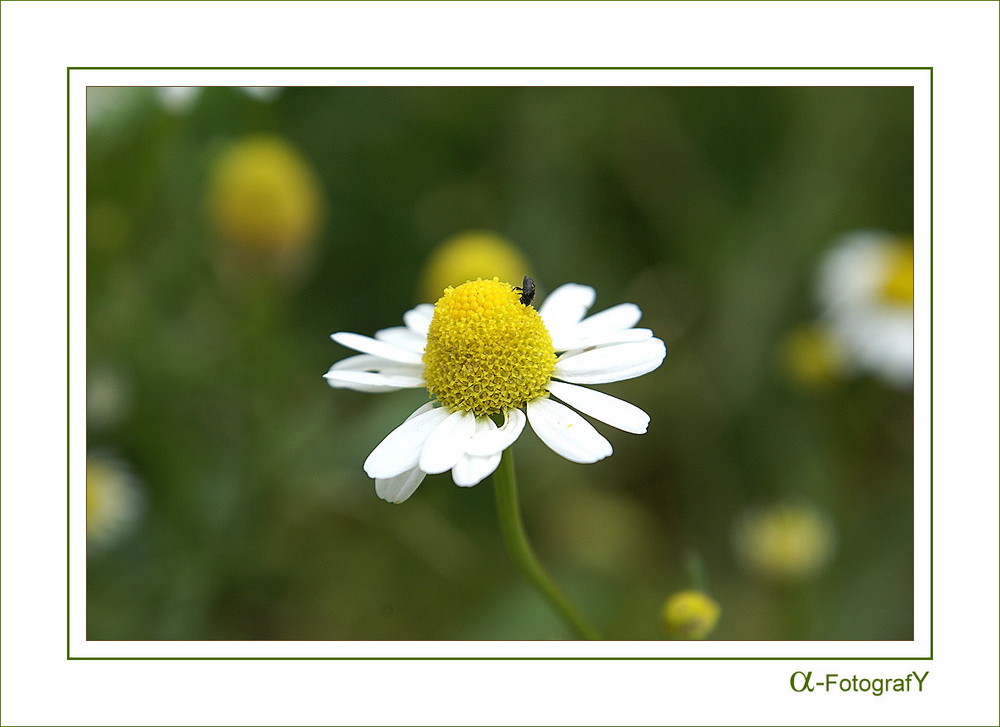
(241,509)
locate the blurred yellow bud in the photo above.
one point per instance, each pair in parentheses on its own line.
(690,615)
(785,542)
(113,499)
(471,255)
(811,357)
(264,201)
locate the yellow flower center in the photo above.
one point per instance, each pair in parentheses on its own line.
(486,352)
(897,283)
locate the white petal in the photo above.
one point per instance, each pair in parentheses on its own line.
(565,306)
(376,348)
(403,337)
(611,363)
(418,319)
(615,318)
(398,488)
(372,383)
(604,407)
(378,365)
(420,410)
(570,341)
(470,470)
(400,450)
(494,440)
(373,374)
(444,446)
(566,432)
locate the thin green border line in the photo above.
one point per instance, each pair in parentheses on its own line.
(498,658)
(929,657)
(68,351)
(930,211)
(501,68)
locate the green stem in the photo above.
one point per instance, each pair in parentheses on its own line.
(696,572)
(512,529)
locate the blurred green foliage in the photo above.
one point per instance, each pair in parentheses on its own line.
(708,207)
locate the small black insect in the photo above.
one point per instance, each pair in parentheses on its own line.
(527,290)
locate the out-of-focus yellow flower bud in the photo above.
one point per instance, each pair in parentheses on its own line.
(690,615)
(471,255)
(113,499)
(786,542)
(264,202)
(811,357)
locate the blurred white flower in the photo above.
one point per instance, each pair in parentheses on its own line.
(262,93)
(865,293)
(179,100)
(114,501)
(109,396)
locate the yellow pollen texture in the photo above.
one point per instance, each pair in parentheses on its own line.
(897,284)
(486,352)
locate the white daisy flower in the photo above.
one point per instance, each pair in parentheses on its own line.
(483,351)
(866,296)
